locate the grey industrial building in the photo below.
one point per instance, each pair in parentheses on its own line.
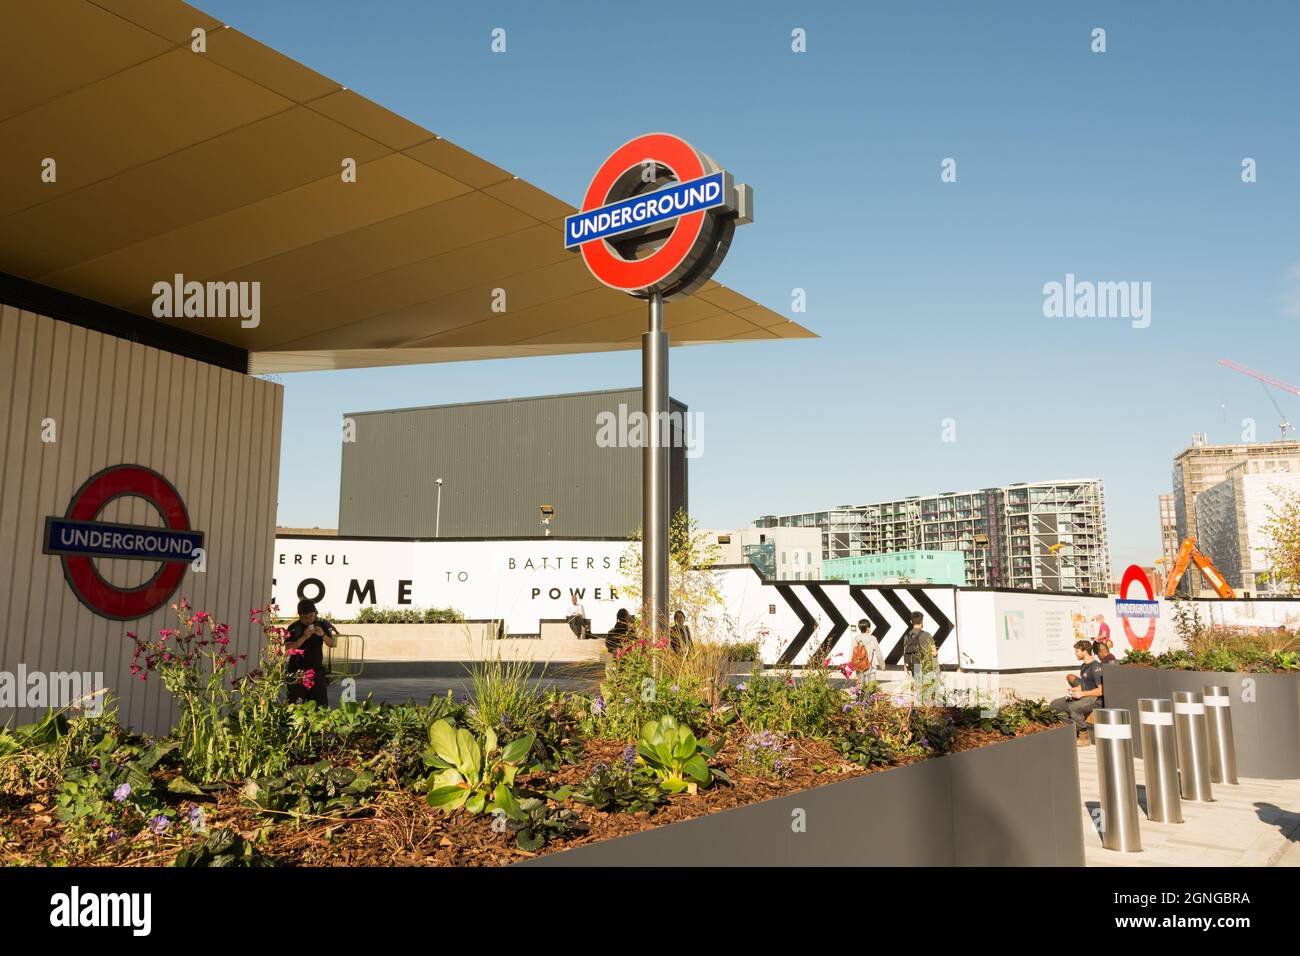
(500,461)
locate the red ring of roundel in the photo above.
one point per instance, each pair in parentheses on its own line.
(96,593)
(612,269)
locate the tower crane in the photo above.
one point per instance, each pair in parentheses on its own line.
(1285,425)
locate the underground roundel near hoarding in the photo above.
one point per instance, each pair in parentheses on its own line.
(1148,609)
(79,538)
(658,217)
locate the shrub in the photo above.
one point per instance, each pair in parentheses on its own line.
(623,787)
(222,847)
(638,688)
(1012,718)
(228,728)
(408,615)
(807,707)
(502,698)
(767,753)
(312,790)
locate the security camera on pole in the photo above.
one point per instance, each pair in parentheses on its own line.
(656,222)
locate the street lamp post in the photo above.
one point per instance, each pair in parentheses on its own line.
(437,519)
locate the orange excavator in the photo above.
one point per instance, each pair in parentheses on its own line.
(1190,552)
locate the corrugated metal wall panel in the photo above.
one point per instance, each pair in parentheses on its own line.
(499,462)
(212,432)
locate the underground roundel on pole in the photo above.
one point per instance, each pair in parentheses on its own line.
(79,537)
(658,217)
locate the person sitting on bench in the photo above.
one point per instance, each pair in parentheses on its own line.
(622,631)
(1085,691)
(577,619)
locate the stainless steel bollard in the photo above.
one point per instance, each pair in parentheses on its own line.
(1218,723)
(1193,746)
(1160,760)
(1119,800)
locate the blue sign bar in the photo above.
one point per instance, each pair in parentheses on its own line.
(1125,608)
(670,202)
(101,539)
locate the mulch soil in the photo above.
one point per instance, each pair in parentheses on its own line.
(400,829)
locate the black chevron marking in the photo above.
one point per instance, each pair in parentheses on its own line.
(879,624)
(838,623)
(901,609)
(945,625)
(809,625)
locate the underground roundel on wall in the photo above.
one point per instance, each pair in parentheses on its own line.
(79,538)
(658,216)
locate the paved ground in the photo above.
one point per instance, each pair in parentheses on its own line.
(1256,823)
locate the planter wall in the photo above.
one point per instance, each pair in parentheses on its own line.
(1265,712)
(1015,803)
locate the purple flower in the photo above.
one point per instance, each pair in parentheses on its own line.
(114,836)
(742,687)
(94,764)
(598,705)
(122,792)
(673,688)
(196,814)
(629,755)
(159,824)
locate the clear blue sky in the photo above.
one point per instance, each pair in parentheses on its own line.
(927,296)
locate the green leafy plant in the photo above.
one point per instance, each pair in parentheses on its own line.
(471,775)
(228,728)
(767,753)
(639,687)
(1177,660)
(1286,660)
(220,848)
(673,754)
(1134,656)
(865,748)
(622,787)
(316,790)
(502,696)
(806,706)
(535,823)
(1014,717)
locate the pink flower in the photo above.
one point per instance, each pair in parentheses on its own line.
(308,678)
(297,652)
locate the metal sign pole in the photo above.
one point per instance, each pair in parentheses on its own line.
(654,472)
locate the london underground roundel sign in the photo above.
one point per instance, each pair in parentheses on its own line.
(79,537)
(1147,609)
(658,217)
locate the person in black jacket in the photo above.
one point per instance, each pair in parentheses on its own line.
(309,634)
(622,632)
(679,635)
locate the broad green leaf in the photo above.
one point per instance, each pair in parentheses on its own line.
(505,800)
(697,769)
(476,802)
(447,799)
(529,841)
(443,740)
(181,785)
(518,749)
(490,745)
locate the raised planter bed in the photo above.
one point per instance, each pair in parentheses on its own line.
(1015,803)
(1265,712)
